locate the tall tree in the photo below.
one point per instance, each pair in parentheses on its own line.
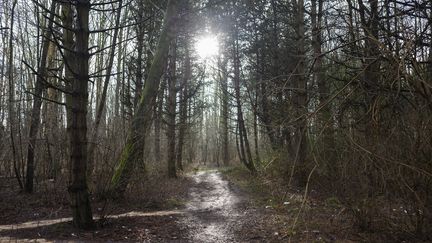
(325,119)
(224,116)
(132,153)
(372,59)
(171,106)
(244,147)
(12,113)
(37,100)
(184,99)
(77,75)
(158,110)
(300,95)
(140,31)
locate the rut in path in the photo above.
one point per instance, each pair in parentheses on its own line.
(212,212)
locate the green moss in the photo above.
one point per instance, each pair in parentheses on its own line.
(122,165)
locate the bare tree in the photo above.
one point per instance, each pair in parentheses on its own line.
(37,101)
(12,113)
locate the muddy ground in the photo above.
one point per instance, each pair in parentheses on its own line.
(205,206)
(214,210)
(218,210)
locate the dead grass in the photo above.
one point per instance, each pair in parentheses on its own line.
(321,218)
(50,203)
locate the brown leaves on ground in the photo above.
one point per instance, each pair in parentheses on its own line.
(45,215)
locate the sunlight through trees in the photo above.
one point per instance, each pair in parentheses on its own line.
(109,102)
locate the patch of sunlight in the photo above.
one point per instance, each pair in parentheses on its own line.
(10,239)
(47,222)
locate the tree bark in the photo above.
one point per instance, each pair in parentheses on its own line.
(255,128)
(183,108)
(171,111)
(77,64)
(245,151)
(140,50)
(300,96)
(52,114)
(12,115)
(224,117)
(158,110)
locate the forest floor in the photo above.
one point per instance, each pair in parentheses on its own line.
(227,205)
(203,207)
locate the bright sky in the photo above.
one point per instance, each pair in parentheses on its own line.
(207,46)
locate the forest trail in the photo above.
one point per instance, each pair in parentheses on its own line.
(213,211)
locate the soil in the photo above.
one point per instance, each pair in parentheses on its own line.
(206,206)
(218,210)
(215,210)
(45,215)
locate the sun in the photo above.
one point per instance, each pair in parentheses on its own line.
(207,46)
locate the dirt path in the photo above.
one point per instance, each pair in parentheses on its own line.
(215,210)
(213,213)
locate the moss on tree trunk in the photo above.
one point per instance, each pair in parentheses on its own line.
(132,153)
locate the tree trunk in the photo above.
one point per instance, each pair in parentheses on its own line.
(245,151)
(12,115)
(255,129)
(265,115)
(183,108)
(325,120)
(77,64)
(171,111)
(372,64)
(300,96)
(140,50)
(224,117)
(52,114)
(133,150)
(37,102)
(158,110)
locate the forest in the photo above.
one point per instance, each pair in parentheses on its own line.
(216,120)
